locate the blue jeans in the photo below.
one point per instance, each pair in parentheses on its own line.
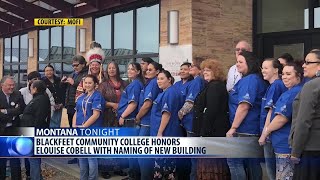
(146,164)
(193,173)
(88,168)
(55,120)
(35,168)
(241,168)
(270,160)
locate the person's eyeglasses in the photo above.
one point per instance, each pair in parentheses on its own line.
(311,62)
(75,65)
(240,49)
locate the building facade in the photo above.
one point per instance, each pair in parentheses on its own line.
(129,30)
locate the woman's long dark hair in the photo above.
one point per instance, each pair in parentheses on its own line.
(138,68)
(297,67)
(118,78)
(252,62)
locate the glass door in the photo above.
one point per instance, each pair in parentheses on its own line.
(275,46)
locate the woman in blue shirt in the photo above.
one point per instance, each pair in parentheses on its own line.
(129,101)
(281,119)
(128,108)
(148,94)
(89,108)
(164,121)
(271,72)
(244,113)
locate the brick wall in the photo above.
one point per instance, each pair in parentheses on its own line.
(217,25)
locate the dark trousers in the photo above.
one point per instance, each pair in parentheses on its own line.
(308,168)
(15,168)
(70,112)
(183,164)
(134,169)
(14,163)
(27,166)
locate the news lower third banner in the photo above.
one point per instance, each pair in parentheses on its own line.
(121,142)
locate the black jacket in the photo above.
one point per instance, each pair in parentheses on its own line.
(71,89)
(58,91)
(211,111)
(14,109)
(37,112)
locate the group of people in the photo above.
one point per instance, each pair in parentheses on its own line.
(275,102)
(278,103)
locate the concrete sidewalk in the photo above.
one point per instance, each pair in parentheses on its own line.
(61,164)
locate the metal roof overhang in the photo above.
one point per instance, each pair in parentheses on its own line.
(16,16)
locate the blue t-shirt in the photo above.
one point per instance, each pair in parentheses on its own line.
(182,87)
(283,107)
(250,89)
(150,92)
(272,95)
(87,104)
(130,94)
(169,101)
(194,88)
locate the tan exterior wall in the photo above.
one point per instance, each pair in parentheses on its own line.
(33,61)
(87,24)
(185,23)
(217,25)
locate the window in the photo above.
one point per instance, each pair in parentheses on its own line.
(56,44)
(62,43)
(103,31)
(123,34)
(284,15)
(44,45)
(129,36)
(148,30)
(69,43)
(7,51)
(15,59)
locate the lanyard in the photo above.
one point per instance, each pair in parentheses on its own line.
(84,106)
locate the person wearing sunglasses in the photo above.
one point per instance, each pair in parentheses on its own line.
(71,83)
(233,74)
